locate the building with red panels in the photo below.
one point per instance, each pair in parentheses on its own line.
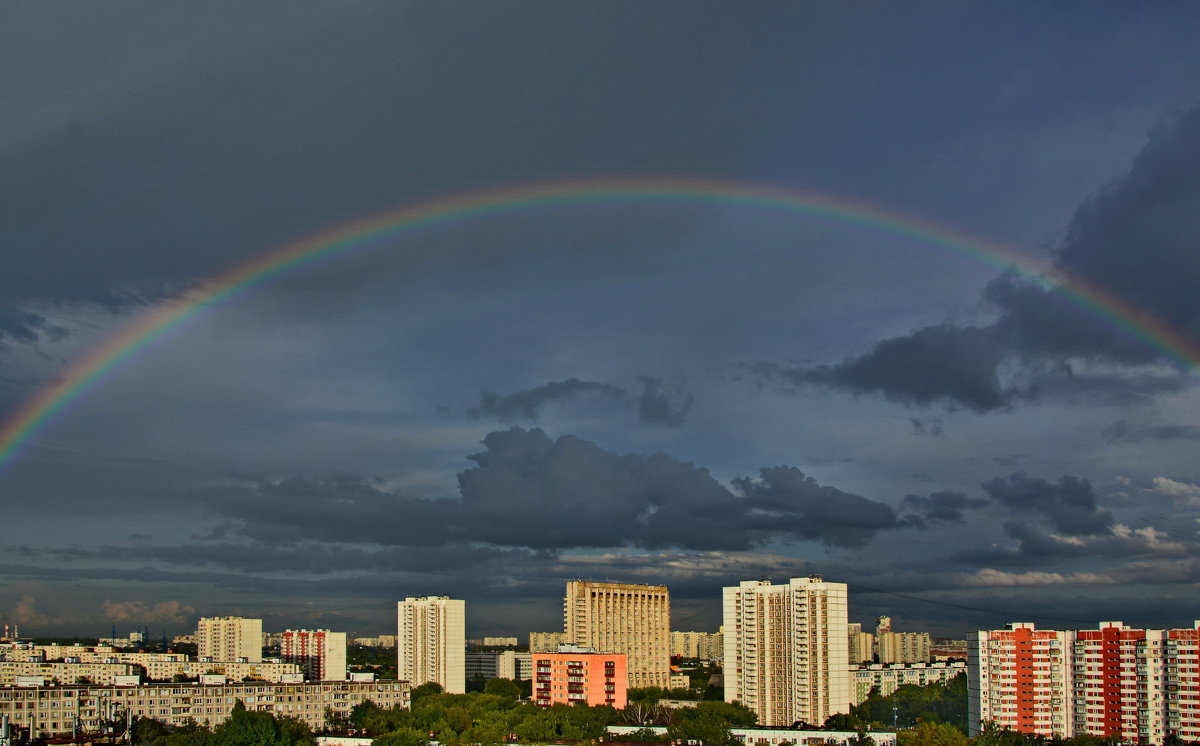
(578,674)
(1181,674)
(1020,678)
(1113,682)
(1118,683)
(321,654)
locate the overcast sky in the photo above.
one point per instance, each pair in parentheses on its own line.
(687,391)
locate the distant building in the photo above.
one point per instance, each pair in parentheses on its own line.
(579,675)
(321,654)
(704,645)
(1113,682)
(431,642)
(499,664)
(904,647)
(623,618)
(945,648)
(500,642)
(888,678)
(230,638)
(861,645)
(785,650)
(546,642)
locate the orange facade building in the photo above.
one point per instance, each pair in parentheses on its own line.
(576,674)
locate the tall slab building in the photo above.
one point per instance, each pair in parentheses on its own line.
(786,653)
(431,642)
(229,638)
(623,618)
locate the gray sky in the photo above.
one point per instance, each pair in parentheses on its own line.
(684,391)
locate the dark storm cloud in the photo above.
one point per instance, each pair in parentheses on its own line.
(784,498)
(528,404)
(528,490)
(939,508)
(938,364)
(1123,432)
(666,404)
(1137,241)
(1069,504)
(24,327)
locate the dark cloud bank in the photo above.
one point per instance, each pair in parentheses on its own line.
(1139,241)
(658,402)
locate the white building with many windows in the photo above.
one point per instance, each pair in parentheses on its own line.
(786,652)
(431,642)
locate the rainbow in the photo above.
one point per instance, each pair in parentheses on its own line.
(41,408)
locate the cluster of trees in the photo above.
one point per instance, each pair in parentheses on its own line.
(912,704)
(242,728)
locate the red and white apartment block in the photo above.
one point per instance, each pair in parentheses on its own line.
(1137,685)
(321,654)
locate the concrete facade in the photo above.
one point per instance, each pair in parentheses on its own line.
(320,654)
(431,642)
(229,638)
(623,618)
(786,652)
(579,676)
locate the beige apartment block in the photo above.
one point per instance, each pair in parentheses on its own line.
(229,639)
(889,678)
(904,647)
(704,645)
(546,642)
(231,670)
(786,650)
(55,710)
(431,642)
(623,618)
(65,673)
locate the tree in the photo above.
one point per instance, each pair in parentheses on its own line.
(932,734)
(402,737)
(502,688)
(424,690)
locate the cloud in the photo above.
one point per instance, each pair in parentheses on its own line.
(944,508)
(139,611)
(931,426)
(1068,504)
(530,491)
(662,403)
(528,404)
(1122,432)
(1174,489)
(1135,242)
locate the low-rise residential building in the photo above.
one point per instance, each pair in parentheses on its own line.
(60,672)
(579,675)
(758,736)
(56,710)
(272,671)
(890,677)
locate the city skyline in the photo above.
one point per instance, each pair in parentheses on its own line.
(309,308)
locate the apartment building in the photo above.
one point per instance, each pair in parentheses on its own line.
(55,710)
(631,619)
(579,675)
(546,642)
(1135,685)
(431,642)
(861,645)
(230,638)
(888,678)
(703,645)
(786,649)
(321,654)
(499,664)
(904,647)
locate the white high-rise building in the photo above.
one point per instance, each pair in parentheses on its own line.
(431,642)
(229,638)
(786,652)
